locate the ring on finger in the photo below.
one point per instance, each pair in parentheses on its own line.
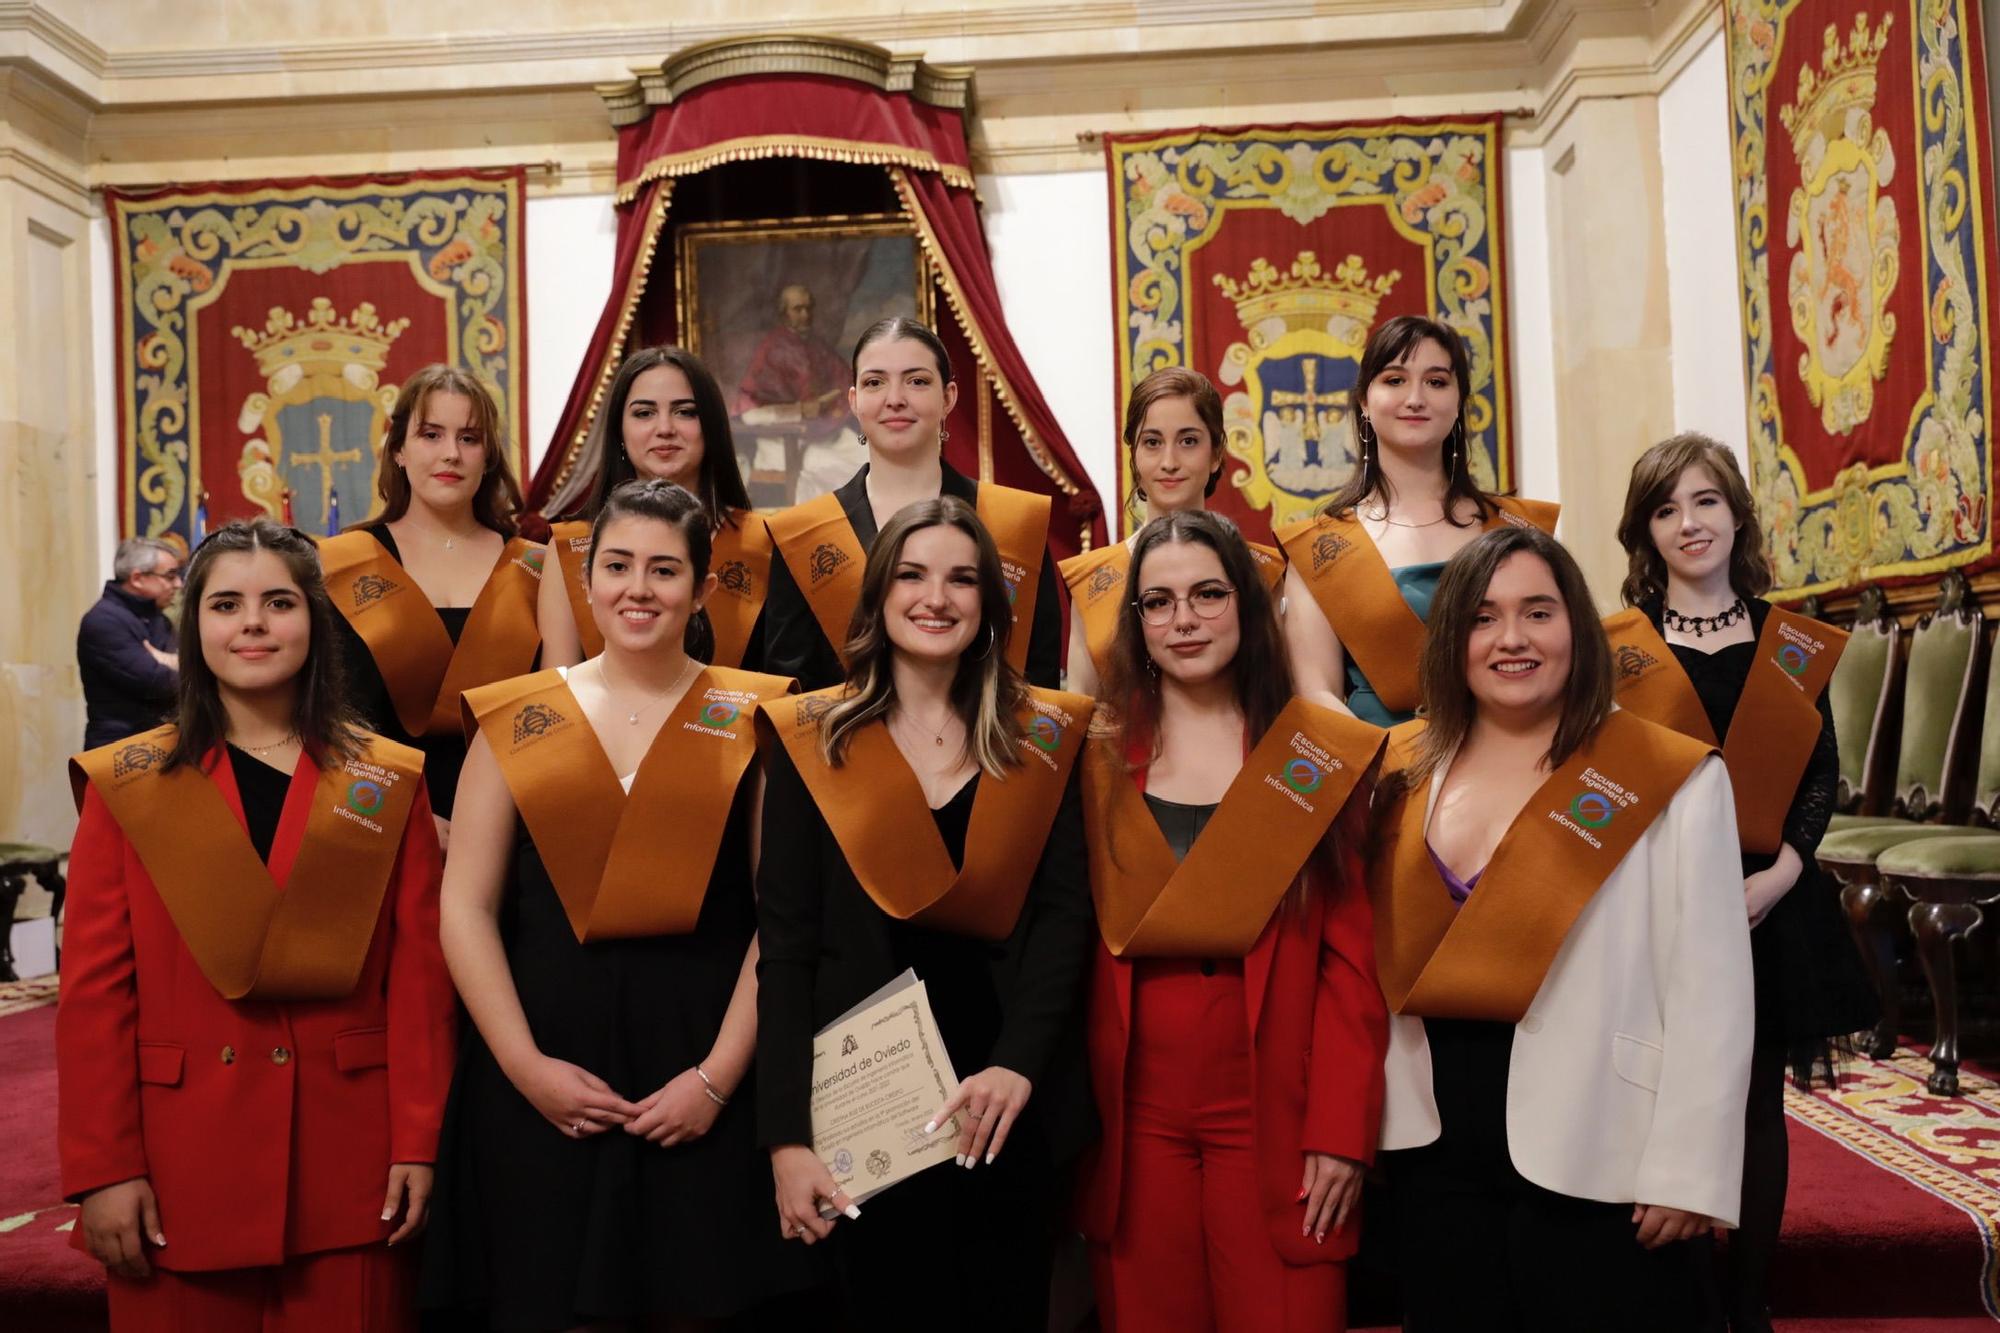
(576,1128)
(975,1115)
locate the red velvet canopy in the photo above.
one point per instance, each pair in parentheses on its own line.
(817,118)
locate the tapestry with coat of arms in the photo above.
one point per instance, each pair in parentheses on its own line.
(264,329)
(1262,257)
(1865,235)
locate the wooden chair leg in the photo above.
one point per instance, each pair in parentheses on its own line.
(1869,921)
(1937,926)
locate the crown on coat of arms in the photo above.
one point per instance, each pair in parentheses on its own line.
(1844,82)
(323,340)
(1307,294)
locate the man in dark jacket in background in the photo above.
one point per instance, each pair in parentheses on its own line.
(125,646)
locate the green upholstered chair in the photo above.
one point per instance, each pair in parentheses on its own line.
(1951,881)
(1865,696)
(1943,694)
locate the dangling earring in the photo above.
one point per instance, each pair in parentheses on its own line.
(943,435)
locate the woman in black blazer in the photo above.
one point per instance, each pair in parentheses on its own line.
(936,750)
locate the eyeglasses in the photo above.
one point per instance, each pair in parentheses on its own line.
(174,575)
(1157,606)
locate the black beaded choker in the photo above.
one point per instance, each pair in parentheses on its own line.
(1699,626)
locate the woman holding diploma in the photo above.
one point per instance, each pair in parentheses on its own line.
(595,1170)
(255,1033)
(436,592)
(1173,444)
(903,392)
(1563,947)
(931,823)
(1362,572)
(1236,1031)
(1699,650)
(664,417)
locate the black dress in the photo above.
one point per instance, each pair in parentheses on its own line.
(794,645)
(368,695)
(1810,985)
(538,1231)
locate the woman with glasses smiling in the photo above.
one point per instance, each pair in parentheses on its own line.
(1235,1029)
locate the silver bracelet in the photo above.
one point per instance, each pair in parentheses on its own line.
(709,1087)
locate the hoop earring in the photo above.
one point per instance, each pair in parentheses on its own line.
(943,435)
(992,637)
(1364,431)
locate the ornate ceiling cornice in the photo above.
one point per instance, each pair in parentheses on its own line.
(947,86)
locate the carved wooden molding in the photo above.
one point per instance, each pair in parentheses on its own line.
(947,86)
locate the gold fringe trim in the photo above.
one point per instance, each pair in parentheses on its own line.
(635,287)
(855,151)
(959,309)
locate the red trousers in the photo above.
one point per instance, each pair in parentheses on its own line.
(1192,1250)
(371,1289)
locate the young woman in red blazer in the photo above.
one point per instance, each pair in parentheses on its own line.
(1235,1027)
(256,1027)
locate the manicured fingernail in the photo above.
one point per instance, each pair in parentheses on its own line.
(930,1126)
(388,1213)
(958,1158)
(853,1213)
(970,1161)
(1301,1198)
(1306,1230)
(989,1159)
(159,1240)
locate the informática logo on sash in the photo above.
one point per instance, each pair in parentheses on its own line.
(826,561)
(1304,772)
(1303,776)
(1793,659)
(137,758)
(733,576)
(1327,548)
(372,588)
(1592,809)
(1103,579)
(1043,731)
(365,797)
(531,560)
(535,721)
(1634,662)
(1012,573)
(720,713)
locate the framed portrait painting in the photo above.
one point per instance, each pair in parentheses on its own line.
(774,307)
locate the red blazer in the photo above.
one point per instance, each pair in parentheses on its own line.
(1318,1034)
(267,1128)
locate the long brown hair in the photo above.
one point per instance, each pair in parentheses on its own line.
(719,482)
(1449,707)
(1260,675)
(326,727)
(1654,477)
(986,693)
(665,502)
(1393,340)
(497,503)
(1175,382)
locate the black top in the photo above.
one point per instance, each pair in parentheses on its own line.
(368,694)
(263,790)
(126,690)
(826,946)
(795,646)
(1181,824)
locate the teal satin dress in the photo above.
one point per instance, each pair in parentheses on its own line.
(1418,584)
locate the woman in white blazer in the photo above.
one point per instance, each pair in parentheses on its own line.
(1561,940)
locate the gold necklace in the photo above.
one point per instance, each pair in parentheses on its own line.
(632,718)
(261,750)
(937,735)
(1382,516)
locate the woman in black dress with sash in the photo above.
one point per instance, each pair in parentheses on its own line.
(1697,570)
(599,1166)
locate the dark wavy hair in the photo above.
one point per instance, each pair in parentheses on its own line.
(901,326)
(1175,382)
(1654,477)
(662,501)
(1393,340)
(986,692)
(497,502)
(720,479)
(326,727)
(1260,676)
(1449,707)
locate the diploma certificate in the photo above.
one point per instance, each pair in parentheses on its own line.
(879,1073)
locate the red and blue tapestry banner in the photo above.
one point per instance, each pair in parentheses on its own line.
(1865,236)
(264,328)
(1262,257)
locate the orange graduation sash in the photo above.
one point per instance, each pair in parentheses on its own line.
(1216,903)
(1358,594)
(251,939)
(739,557)
(826,558)
(605,850)
(1097,578)
(424,671)
(877,812)
(1776,723)
(1487,958)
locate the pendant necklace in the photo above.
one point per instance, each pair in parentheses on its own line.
(261,750)
(937,736)
(1700,626)
(632,717)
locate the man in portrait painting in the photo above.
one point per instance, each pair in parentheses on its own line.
(794,374)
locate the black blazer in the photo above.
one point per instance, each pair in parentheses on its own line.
(825,947)
(795,646)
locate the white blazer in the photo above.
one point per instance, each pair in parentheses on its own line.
(1630,1069)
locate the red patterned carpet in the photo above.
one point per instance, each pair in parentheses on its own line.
(1893,1224)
